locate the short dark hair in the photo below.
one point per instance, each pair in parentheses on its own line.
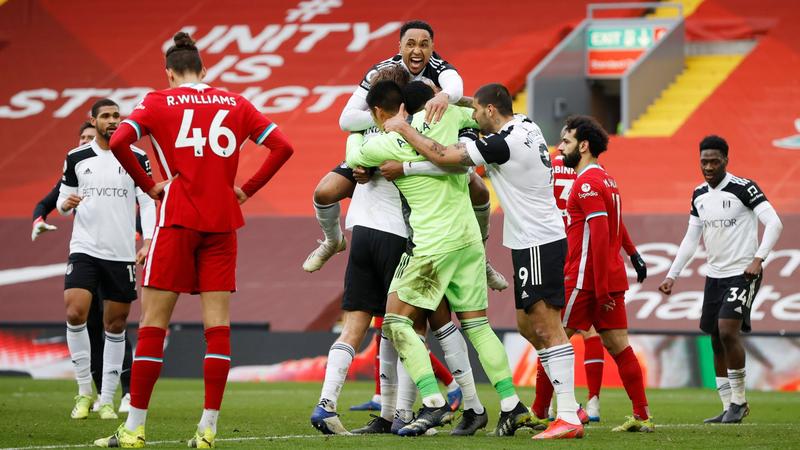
(714,142)
(183,56)
(394,72)
(416,25)
(588,129)
(84,126)
(386,95)
(496,95)
(100,103)
(415,95)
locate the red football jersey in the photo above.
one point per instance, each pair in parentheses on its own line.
(197,131)
(594,194)
(563,177)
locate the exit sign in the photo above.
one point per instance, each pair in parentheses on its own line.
(628,38)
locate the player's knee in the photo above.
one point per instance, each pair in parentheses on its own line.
(728,338)
(76,315)
(116,324)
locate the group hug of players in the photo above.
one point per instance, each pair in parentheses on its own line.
(419,220)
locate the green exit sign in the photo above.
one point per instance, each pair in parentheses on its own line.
(620,38)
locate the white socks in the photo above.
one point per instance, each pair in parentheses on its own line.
(736,378)
(482,213)
(339,358)
(455,353)
(560,369)
(208,420)
(113,353)
(328,218)
(724,391)
(388,378)
(80,353)
(406,390)
(136,418)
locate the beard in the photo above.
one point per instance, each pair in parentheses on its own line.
(571,160)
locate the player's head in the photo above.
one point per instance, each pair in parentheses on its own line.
(384,99)
(394,72)
(416,45)
(713,158)
(105,117)
(583,138)
(415,95)
(492,104)
(183,61)
(86,133)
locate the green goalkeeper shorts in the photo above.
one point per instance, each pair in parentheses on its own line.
(423,280)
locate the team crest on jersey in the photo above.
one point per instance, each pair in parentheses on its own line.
(585,187)
(69,268)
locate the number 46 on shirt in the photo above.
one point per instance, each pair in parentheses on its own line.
(215,132)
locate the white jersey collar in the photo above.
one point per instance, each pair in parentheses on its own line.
(590,166)
(722,183)
(196,86)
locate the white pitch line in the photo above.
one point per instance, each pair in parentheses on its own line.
(317,436)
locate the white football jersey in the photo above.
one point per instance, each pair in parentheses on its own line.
(517,162)
(105,219)
(728,214)
(377,204)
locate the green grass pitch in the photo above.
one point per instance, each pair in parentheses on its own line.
(35,414)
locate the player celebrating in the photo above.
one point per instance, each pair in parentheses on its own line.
(445,257)
(102,253)
(518,163)
(416,55)
(197,131)
(724,211)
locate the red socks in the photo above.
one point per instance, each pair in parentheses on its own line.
(146,365)
(377,361)
(631,374)
(544,392)
(593,364)
(440,370)
(216,365)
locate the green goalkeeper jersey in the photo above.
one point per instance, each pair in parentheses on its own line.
(437,209)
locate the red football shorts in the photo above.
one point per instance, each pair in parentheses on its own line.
(583,310)
(191,261)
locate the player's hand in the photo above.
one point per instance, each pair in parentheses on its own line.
(71,202)
(666,286)
(435,108)
(608,304)
(639,266)
(240,195)
(398,122)
(39,227)
(141,255)
(361,175)
(753,270)
(392,170)
(157,191)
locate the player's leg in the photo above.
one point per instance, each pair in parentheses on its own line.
(630,372)
(79,282)
(118,287)
(171,247)
(340,356)
(713,297)
(333,187)
(734,317)
(125,377)
(115,318)
(481,205)
(407,303)
(374,403)
(97,336)
(442,325)
(593,364)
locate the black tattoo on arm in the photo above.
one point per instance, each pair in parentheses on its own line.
(465,160)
